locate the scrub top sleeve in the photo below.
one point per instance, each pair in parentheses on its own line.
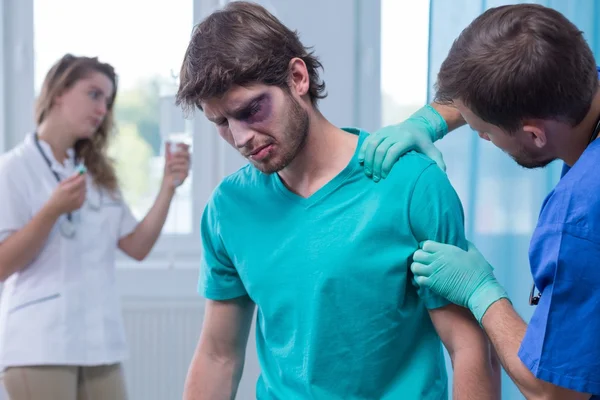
(561,343)
(219,279)
(15,209)
(128,221)
(436,214)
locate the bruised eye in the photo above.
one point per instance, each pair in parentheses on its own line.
(250,112)
(257,112)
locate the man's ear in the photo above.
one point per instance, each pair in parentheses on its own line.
(536,132)
(299,78)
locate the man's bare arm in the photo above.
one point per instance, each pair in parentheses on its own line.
(506,329)
(217,365)
(450,114)
(475,376)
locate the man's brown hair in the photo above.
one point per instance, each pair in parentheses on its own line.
(242,44)
(517,62)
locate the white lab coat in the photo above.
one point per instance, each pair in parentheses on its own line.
(63,308)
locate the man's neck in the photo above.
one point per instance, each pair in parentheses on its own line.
(58,141)
(579,137)
(327,151)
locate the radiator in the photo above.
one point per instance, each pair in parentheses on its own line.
(162,336)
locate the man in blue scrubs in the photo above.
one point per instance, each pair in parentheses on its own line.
(320,250)
(524,78)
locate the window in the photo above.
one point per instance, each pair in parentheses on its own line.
(145,42)
(404,58)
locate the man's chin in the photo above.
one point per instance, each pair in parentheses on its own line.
(267,168)
(532,164)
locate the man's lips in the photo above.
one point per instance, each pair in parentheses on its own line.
(260,152)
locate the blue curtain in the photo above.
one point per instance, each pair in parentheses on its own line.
(501,199)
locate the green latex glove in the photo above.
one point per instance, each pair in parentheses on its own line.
(380,150)
(463,277)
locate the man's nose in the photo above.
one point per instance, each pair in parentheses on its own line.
(240,133)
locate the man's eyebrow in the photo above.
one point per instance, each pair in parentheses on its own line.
(240,109)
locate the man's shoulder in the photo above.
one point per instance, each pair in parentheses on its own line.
(575,202)
(239,185)
(413,178)
(411,163)
(411,166)
(578,183)
(244,178)
(423,185)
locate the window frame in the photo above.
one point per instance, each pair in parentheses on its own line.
(2,74)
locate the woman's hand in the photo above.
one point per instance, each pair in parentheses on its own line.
(177,165)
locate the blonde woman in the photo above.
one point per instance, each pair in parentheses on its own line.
(62,220)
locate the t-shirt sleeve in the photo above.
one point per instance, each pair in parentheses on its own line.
(219,279)
(561,343)
(128,221)
(436,213)
(15,209)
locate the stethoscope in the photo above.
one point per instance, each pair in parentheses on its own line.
(67,226)
(533,299)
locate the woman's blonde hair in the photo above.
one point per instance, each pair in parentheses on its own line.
(62,76)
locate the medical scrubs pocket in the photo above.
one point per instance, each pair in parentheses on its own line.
(37,284)
(29,303)
(28,315)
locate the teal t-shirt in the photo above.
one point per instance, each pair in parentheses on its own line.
(339,316)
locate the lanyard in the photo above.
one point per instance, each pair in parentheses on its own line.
(49,163)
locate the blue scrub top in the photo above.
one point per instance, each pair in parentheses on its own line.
(562,343)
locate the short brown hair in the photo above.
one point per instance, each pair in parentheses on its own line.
(242,44)
(517,62)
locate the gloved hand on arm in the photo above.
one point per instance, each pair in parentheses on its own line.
(463,277)
(380,150)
